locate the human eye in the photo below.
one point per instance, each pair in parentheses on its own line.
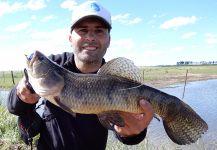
(100,31)
(82,31)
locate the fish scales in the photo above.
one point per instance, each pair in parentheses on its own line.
(116,87)
(88,98)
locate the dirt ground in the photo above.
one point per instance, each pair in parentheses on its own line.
(162,83)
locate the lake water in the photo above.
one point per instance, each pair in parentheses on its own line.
(3,97)
(202,97)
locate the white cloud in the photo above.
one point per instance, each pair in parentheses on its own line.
(121,17)
(18,27)
(126,43)
(158,15)
(211,41)
(178,22)
(47,18)
(126,19)
(195,46)
(211,38)
(120,48)
(5,37)
(33,17)
(6,8)
(135,20)
(177,49)
(210,35)
(35,4)
(50,34)
(147,54)
(189,35)
(69,4)
(19,64)
(46,42)
(142,55)
(52,41)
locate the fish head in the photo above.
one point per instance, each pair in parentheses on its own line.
(38,65)
(44,75)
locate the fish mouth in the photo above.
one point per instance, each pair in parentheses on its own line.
(33,62)
(30,59)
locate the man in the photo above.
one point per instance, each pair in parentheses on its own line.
(59,130)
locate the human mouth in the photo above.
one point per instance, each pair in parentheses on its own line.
(90,48)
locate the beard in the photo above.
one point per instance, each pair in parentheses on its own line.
(90,56)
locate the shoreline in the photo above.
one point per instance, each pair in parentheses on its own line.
(167,81)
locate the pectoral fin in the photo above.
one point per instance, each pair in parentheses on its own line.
(111,118)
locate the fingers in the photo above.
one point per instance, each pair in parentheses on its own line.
(136,123)
(139,116)
(148,111)
(25,94)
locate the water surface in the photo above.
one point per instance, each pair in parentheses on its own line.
(3,97)
(202,97)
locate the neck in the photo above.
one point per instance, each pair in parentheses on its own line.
(87,67)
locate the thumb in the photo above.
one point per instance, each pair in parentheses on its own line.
(143,103)
(146,106)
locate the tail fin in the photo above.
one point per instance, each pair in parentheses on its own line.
(186,127)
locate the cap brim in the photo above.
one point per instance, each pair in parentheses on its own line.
(107,25)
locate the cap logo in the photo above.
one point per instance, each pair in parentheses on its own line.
(93,7)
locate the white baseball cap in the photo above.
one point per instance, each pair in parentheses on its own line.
(91,9)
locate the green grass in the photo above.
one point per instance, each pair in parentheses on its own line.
(6,81)
(160,72)
(9,135)
(8,128)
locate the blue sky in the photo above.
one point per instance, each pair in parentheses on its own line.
(149,32)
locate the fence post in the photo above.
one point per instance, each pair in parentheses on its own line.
(3,73)
(12,75)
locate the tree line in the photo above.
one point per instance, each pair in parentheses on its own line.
(196,63)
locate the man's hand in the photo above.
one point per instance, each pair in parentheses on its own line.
(25,94)
(136,123)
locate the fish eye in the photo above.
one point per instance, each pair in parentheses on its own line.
(30,56)
(40,58)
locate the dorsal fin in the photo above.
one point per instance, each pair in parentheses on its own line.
(122,67)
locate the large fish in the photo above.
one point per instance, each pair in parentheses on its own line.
(116,87)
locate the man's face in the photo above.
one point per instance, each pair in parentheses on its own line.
(90,39)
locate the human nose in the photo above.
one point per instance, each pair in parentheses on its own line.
(90,36)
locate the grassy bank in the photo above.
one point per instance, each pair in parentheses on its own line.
(152,75)
(160,72)
(9,78)
(8,129)
(162,76)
